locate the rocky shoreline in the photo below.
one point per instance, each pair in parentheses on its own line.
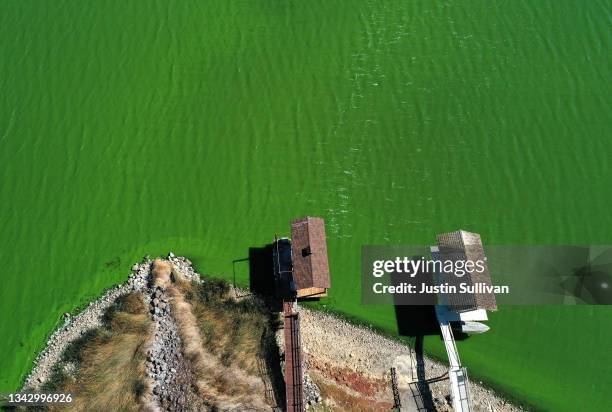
(91,317)
(329,343)
(334,344)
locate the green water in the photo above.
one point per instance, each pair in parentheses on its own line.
(132,128)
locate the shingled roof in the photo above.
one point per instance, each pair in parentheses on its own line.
(462,245)
(309,245)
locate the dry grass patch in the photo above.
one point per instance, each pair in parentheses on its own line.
(227,344)
(161,272)
(232,330)
(224,341)
(110,361)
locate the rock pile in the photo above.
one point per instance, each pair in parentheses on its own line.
(184,266)
(170,373)
(312,393)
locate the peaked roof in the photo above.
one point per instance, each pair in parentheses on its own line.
(309,247)
(466,246)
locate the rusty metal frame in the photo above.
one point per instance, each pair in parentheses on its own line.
(294,379)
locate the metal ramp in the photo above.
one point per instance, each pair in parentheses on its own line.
(460,392)
(294,378)
(460,381)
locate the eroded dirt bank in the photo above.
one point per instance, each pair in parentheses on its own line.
(351,365)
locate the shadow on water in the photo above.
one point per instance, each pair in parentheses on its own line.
(261,271)
(417,321)
(459,335)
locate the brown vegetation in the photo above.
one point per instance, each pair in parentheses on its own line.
(160,273)
(110,361)
(222,342)
(228,347)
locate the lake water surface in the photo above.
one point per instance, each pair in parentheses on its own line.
(132,128)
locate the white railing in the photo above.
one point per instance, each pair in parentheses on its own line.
(458,375)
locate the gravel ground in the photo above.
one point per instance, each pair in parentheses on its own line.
(336,342)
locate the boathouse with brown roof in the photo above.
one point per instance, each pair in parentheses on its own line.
(310,263)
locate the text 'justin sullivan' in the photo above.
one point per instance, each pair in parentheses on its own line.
(443,289)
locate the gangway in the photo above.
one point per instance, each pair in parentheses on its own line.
(294,378)
(460,393)
(464,310)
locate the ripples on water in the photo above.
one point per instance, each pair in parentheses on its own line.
(203,128)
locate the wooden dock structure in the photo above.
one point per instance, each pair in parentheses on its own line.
(301,272)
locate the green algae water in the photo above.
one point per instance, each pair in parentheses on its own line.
(202,128)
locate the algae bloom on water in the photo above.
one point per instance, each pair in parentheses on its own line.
(133,129)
